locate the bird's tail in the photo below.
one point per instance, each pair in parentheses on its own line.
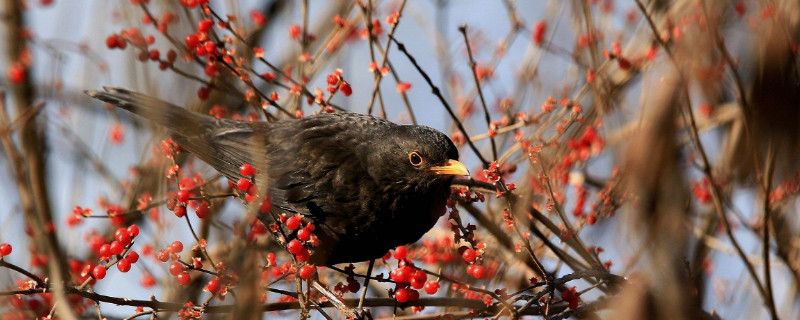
(224,144)
(177,119)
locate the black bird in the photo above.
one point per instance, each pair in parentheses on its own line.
(367,184)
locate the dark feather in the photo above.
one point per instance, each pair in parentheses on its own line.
(348,173)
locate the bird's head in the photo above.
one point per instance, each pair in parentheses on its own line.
(417,155)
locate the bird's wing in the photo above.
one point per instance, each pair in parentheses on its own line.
(226,145)
(317,170)
(314,166)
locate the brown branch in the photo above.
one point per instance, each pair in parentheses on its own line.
(463,30)
(435,90)
(716,194)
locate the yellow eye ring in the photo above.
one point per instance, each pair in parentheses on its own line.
(415,159)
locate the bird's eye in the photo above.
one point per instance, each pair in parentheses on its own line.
(415,159)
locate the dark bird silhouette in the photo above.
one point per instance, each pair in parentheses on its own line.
(367,184)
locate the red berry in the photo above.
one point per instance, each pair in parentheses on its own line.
(202,211)
(171,56)
(478,272)
(116,247)
(112,41)
(469,255)
(182,196)
(213,285)
(418,279)
(99,272)
(400,253)
(5,249)
(184,278)
(203,92)
(294,246)
(400,275)
(402,295)
(294,222)
(132,256)
(258,17)
(346,89)
(265,206)
(303,255)
(105,251)
(123,236)
(205,25)
(175,268)
(332,79)
(176,247)
(303,234)
(243,184)
(180,211)
(133,230)
(16,73)
(211,69)
(154,54)
(192,41)
(413,295)
(124,265)
(247,170)
(294,31)
(538,32)
(307,271)
(162,255)
(431,287)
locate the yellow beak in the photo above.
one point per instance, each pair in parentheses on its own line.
(452,167)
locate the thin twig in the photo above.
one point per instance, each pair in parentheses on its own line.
(472,66)
(438,94)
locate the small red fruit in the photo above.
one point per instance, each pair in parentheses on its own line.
(175,268)
(123,236)
(346,89)
(402,295)
(182,196)
(243,184)
(202,211)
(5,249)
(400,253)
(294,222)
(247,170)
(303,234)
(124,265)
(184,278)
(176,247)
(132,256)
(413,295)
(418,279)
(213,285)
(16,74)
(469,255)
(478,271)
(192,41)
(401,275)
(116,247)
(133,230)
(105,251)
(303,255)
(99,272)
(431,287)
(205,25)
(180,211)
(307,271)
(294,246)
